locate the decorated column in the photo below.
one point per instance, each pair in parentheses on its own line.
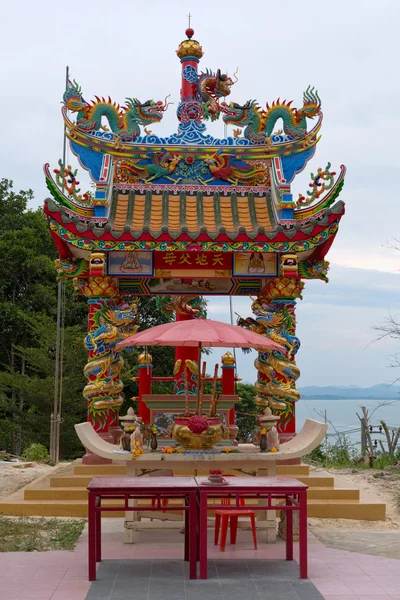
(144,381)
(274,311)
(228,380)
(108,323)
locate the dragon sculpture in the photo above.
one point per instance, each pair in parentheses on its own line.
(163,165)
(192,305)
(310,269)
(123,121)
(220,168)
(71,268)
(276,384)
(210,87)
(259,124)
(103,390)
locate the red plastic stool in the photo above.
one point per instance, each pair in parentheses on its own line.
(222,517)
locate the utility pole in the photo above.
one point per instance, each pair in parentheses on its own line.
(363,434)
(326,443)
(55,418)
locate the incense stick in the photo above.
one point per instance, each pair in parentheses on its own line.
(186,390)
(213,392)
(203,375)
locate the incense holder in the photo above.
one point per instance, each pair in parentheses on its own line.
(197,441)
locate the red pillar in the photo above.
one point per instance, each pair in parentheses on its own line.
(185,353)
(228,380)
(145,384)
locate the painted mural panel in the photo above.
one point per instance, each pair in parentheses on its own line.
(249,264)
(125,264)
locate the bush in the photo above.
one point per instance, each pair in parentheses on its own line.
(37,453)
(316,456)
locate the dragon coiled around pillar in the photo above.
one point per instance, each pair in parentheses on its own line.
(112,324)
(123,121)
(259,123)
(210,87)
(277,388)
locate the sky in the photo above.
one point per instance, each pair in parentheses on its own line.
(349,50)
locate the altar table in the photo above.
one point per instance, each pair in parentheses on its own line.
(263,490)
(134,488)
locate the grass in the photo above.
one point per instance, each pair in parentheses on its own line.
(28,534)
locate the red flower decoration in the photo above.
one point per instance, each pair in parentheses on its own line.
(189,160)
(197,424)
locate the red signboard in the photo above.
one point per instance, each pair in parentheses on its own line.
(215,264)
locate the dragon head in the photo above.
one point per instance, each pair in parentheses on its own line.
(73,99)
(124,317)
(223,84)
(311,104)
(238,114)
(147,112)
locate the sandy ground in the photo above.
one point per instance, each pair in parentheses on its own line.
(13,476)
(384,488)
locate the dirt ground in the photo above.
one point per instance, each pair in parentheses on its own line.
(383,487)
(13,476)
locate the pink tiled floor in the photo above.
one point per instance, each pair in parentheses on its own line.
(338,574)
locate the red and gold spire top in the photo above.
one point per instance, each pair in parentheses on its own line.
(189,48)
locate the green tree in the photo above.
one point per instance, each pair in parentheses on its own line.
(27,287)
(246,409)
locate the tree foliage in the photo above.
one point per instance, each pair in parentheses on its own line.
(28,308)
(245,410)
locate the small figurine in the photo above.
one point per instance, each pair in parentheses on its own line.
(267,433)
(137,438)
(272,439)
(128,423)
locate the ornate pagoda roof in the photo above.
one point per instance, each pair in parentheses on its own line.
(189,188)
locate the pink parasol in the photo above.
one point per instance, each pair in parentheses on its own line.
(201,333)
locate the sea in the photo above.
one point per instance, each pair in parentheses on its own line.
(341,415)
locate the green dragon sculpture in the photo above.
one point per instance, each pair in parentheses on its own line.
(123,121)
(259,124)
(103,390)
(71,268)
(163,165)
(314,269)
(276,384)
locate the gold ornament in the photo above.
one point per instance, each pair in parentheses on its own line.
(228,360)
(145,358)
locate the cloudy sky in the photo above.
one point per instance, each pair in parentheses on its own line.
(348,49)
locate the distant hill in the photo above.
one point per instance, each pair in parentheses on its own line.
(381,391)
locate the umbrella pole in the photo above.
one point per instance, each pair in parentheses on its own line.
(198,379)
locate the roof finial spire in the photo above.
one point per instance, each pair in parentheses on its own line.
(189,31)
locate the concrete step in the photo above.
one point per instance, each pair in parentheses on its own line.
(75,493)
(320,493)
(324,509)
(347,509)
(66,481)
(108,470)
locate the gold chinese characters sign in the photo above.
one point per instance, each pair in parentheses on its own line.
(191,264)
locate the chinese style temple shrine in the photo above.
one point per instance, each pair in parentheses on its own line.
(187,216)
